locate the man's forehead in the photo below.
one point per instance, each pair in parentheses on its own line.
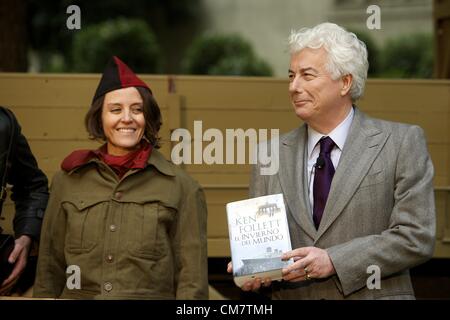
(308,59)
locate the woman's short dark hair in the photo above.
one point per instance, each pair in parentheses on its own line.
(152,115)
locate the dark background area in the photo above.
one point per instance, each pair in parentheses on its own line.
(431,280)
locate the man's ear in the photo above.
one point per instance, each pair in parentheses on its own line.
(347,81)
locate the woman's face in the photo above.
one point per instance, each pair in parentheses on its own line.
(123,120)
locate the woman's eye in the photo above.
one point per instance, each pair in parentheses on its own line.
(138,110)
(116,110)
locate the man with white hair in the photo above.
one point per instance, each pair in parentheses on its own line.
(358,190)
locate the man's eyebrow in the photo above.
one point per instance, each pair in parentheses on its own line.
(302,70)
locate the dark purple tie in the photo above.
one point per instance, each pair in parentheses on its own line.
(322,179)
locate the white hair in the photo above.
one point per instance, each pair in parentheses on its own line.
(346,53)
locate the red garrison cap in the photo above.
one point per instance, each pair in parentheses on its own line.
(117,75)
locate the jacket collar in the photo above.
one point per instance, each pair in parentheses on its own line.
(82,158)
(293,178)
(160,163)
(77,159)
(364,143)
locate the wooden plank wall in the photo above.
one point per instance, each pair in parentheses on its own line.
(51,110)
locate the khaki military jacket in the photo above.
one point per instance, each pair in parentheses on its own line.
(140,237)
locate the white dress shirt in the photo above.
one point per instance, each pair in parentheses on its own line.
(339,135)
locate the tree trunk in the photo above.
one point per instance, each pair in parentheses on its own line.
(13,36)
(441,36)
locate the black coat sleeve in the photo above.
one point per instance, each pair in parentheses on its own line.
(29,188)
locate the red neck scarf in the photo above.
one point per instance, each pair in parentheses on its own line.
(122,164)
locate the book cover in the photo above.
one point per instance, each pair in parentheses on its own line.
(259,235)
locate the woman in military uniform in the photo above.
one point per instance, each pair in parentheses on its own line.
(130,224)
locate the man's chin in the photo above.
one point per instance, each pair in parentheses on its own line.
(301,113)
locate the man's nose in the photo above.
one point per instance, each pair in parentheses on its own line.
(296,85)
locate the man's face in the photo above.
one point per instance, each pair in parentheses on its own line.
(314,94)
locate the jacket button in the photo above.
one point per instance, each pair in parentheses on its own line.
(107,286)
(118,195)
(110,258)
(112,228)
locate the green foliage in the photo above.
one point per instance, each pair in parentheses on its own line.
(408,57)
(373,52)
(46,26)
(224,55)
(52,43)
(130,40)
(53,62)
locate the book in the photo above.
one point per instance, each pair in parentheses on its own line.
(259,235)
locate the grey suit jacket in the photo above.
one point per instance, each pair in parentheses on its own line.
(380,210)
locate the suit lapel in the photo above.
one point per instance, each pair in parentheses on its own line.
(363,144)
(293,178)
